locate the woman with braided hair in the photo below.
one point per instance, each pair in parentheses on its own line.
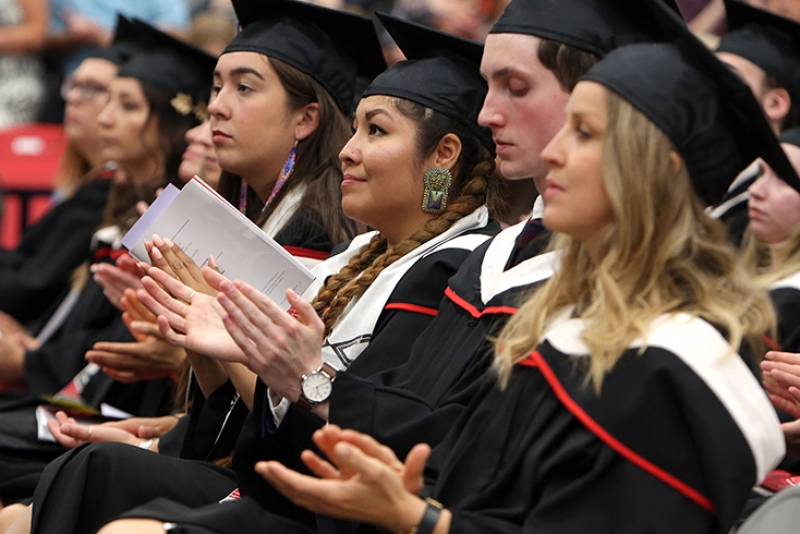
(419,170)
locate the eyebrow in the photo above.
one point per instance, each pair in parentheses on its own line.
(240,71)
(377,111)
(505,71)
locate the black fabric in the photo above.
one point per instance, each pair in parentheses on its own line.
(50,368)
(520,462)
(394,334)
(329,45)
(422,285)
(80,491)
(769,41)
(707,111)
(305,230)
(594,26)
(787,306)
(442,72)
(38,271)
(170,64)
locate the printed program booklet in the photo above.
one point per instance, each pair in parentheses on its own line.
(202,223)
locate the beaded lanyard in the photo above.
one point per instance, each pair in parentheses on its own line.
(286,171)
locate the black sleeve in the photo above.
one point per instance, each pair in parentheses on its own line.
(787,303)
(396,330)
(214,423)
(39,270)
(93,319)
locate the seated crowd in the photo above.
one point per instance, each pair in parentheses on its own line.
(625,357)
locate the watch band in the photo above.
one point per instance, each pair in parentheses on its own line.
(303,403)
(429,519)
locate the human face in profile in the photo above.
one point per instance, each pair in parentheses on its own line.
(524,106)
(382,172)
(575,199)
(774,206)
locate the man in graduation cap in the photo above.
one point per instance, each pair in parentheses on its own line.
(764,50)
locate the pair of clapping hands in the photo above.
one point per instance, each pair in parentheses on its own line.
(232,321)
(178,303)
(782,382)
(362,481)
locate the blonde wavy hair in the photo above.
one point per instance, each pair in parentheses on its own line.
(662,254)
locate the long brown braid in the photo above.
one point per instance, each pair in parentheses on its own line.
(472,188)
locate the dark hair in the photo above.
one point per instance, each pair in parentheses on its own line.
(567,63)
(317,164)
(792,116)
(172,128)
(473,185)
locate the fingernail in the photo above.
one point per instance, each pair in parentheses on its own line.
(157,241)
(156,254)
(169,242)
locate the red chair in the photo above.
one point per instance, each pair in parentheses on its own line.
(29,159)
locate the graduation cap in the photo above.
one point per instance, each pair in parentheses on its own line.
(769,41)
(441,73)
(331,46)
(123,46)
(707,111)
(594,26)
(178,68)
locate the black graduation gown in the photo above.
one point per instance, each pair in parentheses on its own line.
(38,271)
(673,443)
(418,292)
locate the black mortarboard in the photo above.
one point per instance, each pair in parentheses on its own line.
(707,111)
(331,46)
(123,46)
(181,70)
(594,26)
(441,73)
(770,41)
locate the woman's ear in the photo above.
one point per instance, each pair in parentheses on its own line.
(307,122)
(675,162)
(447,151)
(776,103)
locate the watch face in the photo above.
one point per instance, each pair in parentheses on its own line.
(317,386)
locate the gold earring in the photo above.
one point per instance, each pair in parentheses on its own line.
(437,184)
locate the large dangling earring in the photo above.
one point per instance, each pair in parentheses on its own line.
(437,184)
(286,171)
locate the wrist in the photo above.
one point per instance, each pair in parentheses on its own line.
(411,511)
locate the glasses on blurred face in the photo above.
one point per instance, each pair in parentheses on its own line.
(84,90)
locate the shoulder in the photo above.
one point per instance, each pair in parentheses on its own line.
(690,364)
(789,282)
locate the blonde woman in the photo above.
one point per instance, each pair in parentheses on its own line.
(621,403)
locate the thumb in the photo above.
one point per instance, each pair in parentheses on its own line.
(214,277)
(305,312)
(415,467)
